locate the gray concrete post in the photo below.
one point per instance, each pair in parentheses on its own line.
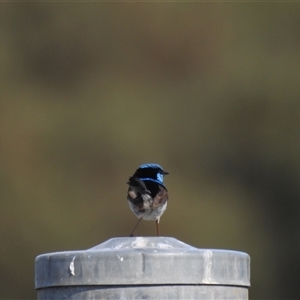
(143,268)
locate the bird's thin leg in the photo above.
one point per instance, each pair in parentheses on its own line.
(157,229)
(135,227)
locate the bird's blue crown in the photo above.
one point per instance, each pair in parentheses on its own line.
(153,166)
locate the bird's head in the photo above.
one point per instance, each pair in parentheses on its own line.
(151,172)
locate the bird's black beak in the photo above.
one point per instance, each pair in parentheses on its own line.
(165,173)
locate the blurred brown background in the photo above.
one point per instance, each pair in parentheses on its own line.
(89,91)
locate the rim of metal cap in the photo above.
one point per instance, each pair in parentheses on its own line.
(142,261)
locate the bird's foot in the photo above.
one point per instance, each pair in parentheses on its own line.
(131,235)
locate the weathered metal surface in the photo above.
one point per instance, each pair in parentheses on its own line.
(149,266)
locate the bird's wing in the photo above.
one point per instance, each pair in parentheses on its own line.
(161,198)
(138,185)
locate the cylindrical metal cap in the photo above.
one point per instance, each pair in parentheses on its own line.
(142,261)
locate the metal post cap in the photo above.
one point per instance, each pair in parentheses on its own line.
(142,261)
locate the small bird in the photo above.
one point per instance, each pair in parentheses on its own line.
(147,195)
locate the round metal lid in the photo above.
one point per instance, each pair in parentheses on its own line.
(142,261)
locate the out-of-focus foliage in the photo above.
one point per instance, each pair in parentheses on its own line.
(210,91)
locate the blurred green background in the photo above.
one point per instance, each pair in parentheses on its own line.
(89,91)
